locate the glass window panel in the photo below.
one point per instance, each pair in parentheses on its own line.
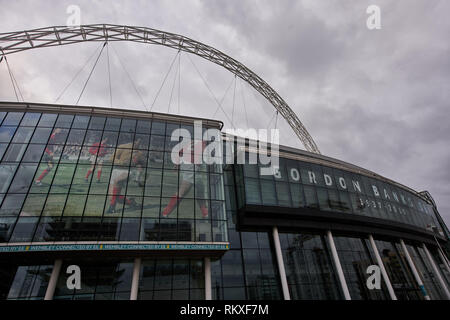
(58,136)
(252,193)
(41,135)
(125,140)
(3,147)
(203,230)
(6,133)
(122,156)
(112,124)
(130,229)
(43,178)
(24,229)
(218,210)
(110,229)
(133,207)
(128,125)
(201,183)
(170,127)
(345,202)
(151,207)
(64,121)
(75,205)
(97,123)
(202,210)
(186,209)
(186,229)
(92,137)
(219,229)
(100,179)
(153,182)
(23,135)
(80,184)
(169,144)
(63,178)
(283,195)
(310,197)
(13,118)
(232,271)
(158,127)
(142,141)
(54,205)
(30,119)
(94,206)
(170,183)
(70,154)
(170,214)
(169,164)
(14,152)
(23,178)
(155,159)
(6,228)
(163,274)
(157,142)
(324,201)
(149,230)
(216,186)
(33,205)
(139,160)
(81,122)
(12,204)
(6,175)
(76,137)
(297,195)
(268,192)
(143,126)
(197,278)
(33,153)
(47,120)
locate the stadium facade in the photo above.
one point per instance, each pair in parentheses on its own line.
(96,188)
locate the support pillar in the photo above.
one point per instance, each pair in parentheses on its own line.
(383,270)
(53,280)
(135,279)
(280,262)
(414,270)
(436,271)
(339,270)
(208,292)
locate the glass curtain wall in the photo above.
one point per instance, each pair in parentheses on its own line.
(68,177)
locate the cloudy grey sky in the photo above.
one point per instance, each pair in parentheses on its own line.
(375,98)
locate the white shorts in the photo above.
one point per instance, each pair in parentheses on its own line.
(116,175)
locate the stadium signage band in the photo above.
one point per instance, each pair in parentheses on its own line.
(111,247)
(355,185)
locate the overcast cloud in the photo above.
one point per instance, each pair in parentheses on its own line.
(375,98)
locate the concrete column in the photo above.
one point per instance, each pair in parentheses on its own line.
(414,271)
(383,270)
(280,262)
(436,271)
(208,292)
(337,263)
(135,280)
(444,259)
(53,280)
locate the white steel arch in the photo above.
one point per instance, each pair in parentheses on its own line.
(11,42)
